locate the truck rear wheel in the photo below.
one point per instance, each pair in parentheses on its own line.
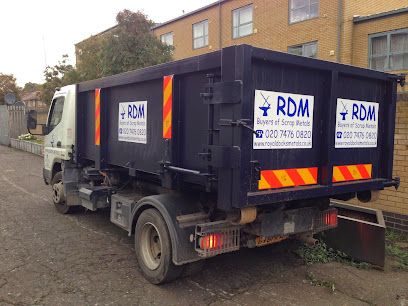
(58,197)
(153,248)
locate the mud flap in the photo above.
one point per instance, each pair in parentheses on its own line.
(360,233)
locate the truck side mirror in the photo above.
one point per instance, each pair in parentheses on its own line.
(32,120)
(44,129)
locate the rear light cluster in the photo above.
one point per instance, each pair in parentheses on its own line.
(211,241)
(330,218)
(216,238)
(325,220)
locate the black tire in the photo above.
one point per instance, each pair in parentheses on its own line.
(59,200)
(153,248)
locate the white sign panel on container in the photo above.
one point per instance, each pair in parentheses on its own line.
(282,120)
(356,124)
(132,123)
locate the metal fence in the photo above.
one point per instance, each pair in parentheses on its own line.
(12,123)
(4,129)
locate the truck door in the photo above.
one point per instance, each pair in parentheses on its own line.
(53,146)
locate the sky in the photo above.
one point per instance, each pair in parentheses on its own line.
(36,33)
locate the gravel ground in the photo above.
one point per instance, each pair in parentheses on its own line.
(82,259)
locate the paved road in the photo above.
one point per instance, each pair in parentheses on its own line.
(82,259)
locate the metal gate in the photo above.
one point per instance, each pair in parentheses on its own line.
(12,123)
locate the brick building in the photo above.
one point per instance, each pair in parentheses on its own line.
(371,34)
(325,29)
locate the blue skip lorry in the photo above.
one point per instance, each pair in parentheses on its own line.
(242,147)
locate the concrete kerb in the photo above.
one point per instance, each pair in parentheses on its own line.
(28,146)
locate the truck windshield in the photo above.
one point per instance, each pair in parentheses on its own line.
(56,113)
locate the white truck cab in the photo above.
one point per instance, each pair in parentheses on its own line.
(60,131)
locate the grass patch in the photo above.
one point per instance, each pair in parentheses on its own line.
(314,281)
(321,253)
(396,245)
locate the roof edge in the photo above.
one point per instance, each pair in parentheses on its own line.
(188,14)
(359,19)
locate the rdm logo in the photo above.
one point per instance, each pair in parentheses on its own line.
(344,112)
(123,113)
(363,113)
(265,106)
(136,111)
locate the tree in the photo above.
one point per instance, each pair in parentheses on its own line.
(30,87)
(90,65)
(8,84)
(130,45)
(57,76)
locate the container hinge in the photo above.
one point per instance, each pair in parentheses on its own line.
(222,156)
(238,123)
(223,93)
(401,79)
(395,182)
(255,171)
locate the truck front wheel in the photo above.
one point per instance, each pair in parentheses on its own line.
(58,196)
(153,248)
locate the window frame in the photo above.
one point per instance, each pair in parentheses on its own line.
(167,34)
(202,22)
(389,53)
(239,17)
(51,113)
(310,18)
(303,45)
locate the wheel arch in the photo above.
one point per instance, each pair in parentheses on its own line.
(56,167)
(170,206)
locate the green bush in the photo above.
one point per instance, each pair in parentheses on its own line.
(27,137)
(321,253)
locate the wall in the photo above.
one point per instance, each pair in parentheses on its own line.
(352,8)
(28,146)
(272,33)
(393,202)
(361,33)
(183,37)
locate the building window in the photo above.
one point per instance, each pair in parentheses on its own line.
(308,49)
(300,10)
(167,39)
(200,34)
(242,22)
(389,51)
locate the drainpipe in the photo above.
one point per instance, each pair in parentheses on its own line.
(219,25)
(339,29)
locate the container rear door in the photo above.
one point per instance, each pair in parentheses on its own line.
(289,105)
(317,132)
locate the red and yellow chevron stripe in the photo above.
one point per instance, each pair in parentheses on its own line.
(287,178)
(352,172)
(97,116)
(167,105)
